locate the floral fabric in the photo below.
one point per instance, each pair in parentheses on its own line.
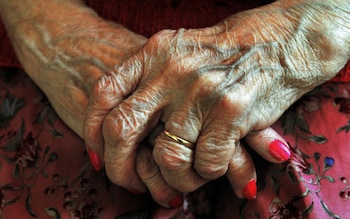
(45,172)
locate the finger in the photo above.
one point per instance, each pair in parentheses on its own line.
(241,174)
(106,94)
(100,103)
(150,175)
(215,148)
(224,125)
(269,144)
(124,128)
(174,156)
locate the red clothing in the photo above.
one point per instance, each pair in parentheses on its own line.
(147,17)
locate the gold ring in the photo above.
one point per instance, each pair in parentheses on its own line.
(179,140)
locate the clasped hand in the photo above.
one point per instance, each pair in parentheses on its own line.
(211,86)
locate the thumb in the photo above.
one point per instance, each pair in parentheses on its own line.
(106,94)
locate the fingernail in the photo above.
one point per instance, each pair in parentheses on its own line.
(279,150)
(95,160)
(176,202)
(249,191)
(135,191)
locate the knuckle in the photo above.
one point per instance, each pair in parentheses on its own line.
(116,120)
(116,175)
(210,170)
(100,85)
(162,37)
(104,94)
(112,86)
(240,169)
(231,103)
(117,127)
(212,159)
(206,81)
(146,167)
(149,174)
(210,83)
(111,125)
(241,161)
(169,160)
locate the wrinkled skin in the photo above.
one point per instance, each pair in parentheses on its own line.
(213,86)
(65,49)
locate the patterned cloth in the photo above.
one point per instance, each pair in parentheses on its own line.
(45,171)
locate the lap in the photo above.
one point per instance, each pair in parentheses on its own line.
(45,171)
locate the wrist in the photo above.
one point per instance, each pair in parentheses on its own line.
(17,11)
(48,29)
(64,47)
(319,29)
(325,26)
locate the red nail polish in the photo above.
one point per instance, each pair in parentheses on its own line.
(279,150)
(135,191)
(95,160)
(176,202)
(249,191)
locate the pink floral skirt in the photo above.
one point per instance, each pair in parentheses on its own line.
(45,171)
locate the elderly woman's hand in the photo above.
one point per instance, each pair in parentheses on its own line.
(64,53)
(213,86)
(65,47)
(241,173)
